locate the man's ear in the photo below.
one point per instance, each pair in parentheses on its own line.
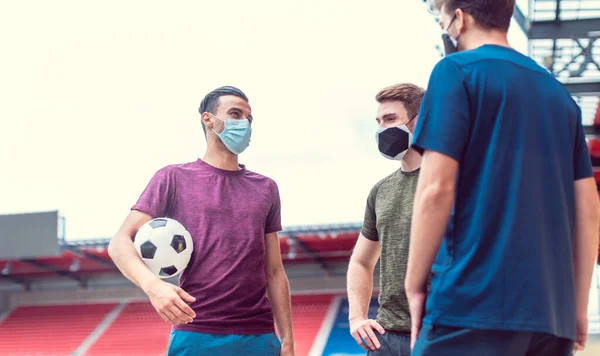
(206,121)
(461,20)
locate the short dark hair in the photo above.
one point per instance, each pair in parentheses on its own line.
(409,95)
(210,103)
(489,14)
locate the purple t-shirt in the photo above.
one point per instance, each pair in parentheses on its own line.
(227,214)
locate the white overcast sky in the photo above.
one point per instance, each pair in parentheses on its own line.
(98,95)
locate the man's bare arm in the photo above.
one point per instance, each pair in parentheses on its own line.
(360,277)
(587,229)
(167,299)
(431,212)
(278,292)
(360,289)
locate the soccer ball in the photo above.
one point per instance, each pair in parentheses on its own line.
(165,246)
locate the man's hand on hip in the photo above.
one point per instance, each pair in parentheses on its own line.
(363,330)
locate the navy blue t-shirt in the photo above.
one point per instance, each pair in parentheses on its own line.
(506,261)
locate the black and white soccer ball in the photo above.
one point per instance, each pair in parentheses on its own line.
(165,246)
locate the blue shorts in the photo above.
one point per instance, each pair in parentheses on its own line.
(439,340)
(189,343)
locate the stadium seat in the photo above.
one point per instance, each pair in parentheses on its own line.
(50,330)
(138,330)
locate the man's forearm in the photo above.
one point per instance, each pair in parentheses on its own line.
(587,231)
(129,263)
(278,291)
(360,289)
(431,212)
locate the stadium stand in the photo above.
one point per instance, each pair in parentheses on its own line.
(127,323)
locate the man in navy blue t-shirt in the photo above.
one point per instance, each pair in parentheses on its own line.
(506,210)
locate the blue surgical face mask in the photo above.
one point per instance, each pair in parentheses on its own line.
(235,135)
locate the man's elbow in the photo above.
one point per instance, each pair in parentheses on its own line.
(437,192)
(361,264)
(113,248)
(276,273)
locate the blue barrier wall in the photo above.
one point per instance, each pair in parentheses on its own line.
(340,342)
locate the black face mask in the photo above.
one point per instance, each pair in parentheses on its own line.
(450,44)
(393,142)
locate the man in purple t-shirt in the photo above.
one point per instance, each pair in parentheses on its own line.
(234,288)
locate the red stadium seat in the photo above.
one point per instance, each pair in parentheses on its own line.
(594,147)
(50,330)
(308,313)
(138,330)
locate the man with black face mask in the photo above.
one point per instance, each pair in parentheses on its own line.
(386,228)
(506,200)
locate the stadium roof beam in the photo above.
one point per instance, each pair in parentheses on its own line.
(588,58)
(58,272)
(582,86)
(311,254)
(288,231)
(17,280)
(552,29)
(74,250)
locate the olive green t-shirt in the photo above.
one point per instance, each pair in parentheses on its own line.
(388,219)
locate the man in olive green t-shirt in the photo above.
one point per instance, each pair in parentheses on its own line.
(385,233)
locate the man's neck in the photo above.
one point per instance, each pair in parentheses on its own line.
(220,157)
(477,40)
(411,161)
